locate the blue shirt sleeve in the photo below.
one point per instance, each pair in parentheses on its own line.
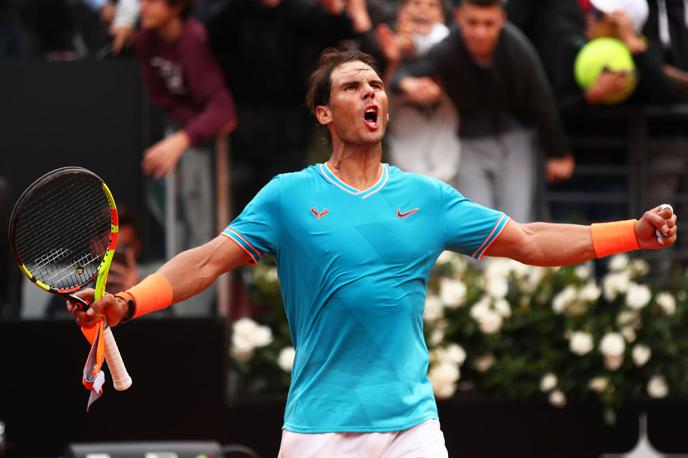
(257,228)
(469,228)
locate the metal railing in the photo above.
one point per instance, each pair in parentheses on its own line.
(617,167)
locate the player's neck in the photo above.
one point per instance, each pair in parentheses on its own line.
(171,30)
(357,167)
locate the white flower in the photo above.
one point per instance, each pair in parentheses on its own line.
(498,267)
(582,271)
(520,270)
(484,363)
(666,302)
(598,384)
(456,261)
(285,360)
(628,318)
(641,354)
(581,343)
(628,332)
(436,336)
(612,363)
(262,336)
(590,292)
(615,283)
(455,354)
(452,293)
(271,274)
(548,382)
(248,335)
(241,354)
(503,308)
(480,308)
(618,262)
(562,300)
(639,267)
(638,296)
(489,321)
(657,387)
(446,257)
(535,276)
(443,378)
(433,308)
(557,398)
(612,344)
(497,287)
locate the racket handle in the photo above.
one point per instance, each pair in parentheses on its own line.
(120,377)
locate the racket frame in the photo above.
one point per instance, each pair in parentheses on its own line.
(121,378)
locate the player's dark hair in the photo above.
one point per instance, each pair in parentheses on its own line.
(187,6)
(320,81)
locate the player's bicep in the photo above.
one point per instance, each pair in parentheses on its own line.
(511,242)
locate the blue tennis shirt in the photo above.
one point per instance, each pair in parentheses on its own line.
(353,268)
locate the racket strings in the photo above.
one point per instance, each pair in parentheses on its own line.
(64,230)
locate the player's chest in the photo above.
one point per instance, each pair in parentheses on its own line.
(361,230)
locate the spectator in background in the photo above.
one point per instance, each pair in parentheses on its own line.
(124,270)
(496,81)
(267,48)
(548,24)
(421,138)
(182,77)
(667,27)
(623,20)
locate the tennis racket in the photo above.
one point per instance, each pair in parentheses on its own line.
(63,231)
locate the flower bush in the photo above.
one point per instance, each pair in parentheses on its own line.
(505,329)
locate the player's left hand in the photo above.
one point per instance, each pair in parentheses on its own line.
(161,159)
(660,219)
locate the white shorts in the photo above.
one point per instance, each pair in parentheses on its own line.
(422,441)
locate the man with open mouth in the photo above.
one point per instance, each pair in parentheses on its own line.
(354,241)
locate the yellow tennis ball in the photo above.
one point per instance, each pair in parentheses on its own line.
(605,54)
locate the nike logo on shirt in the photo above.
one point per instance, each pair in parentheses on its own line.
(402,215)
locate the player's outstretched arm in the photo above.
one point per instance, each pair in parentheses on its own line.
(183,276)
(546,244)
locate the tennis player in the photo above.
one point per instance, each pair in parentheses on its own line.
(355,240)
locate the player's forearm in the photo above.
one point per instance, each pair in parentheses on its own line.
(556,244)
(194,270)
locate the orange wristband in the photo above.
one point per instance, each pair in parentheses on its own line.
(153,293)
(613,238)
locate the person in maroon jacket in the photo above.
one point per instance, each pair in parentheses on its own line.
(182,77)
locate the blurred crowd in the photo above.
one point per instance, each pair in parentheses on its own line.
(479,89)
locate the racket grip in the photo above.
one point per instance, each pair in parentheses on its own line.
(120,377)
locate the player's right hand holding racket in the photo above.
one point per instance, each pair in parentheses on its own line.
(114,308)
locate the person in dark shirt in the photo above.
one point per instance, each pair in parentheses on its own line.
(182,77)
(548,24)
(496,81)
(667,27)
